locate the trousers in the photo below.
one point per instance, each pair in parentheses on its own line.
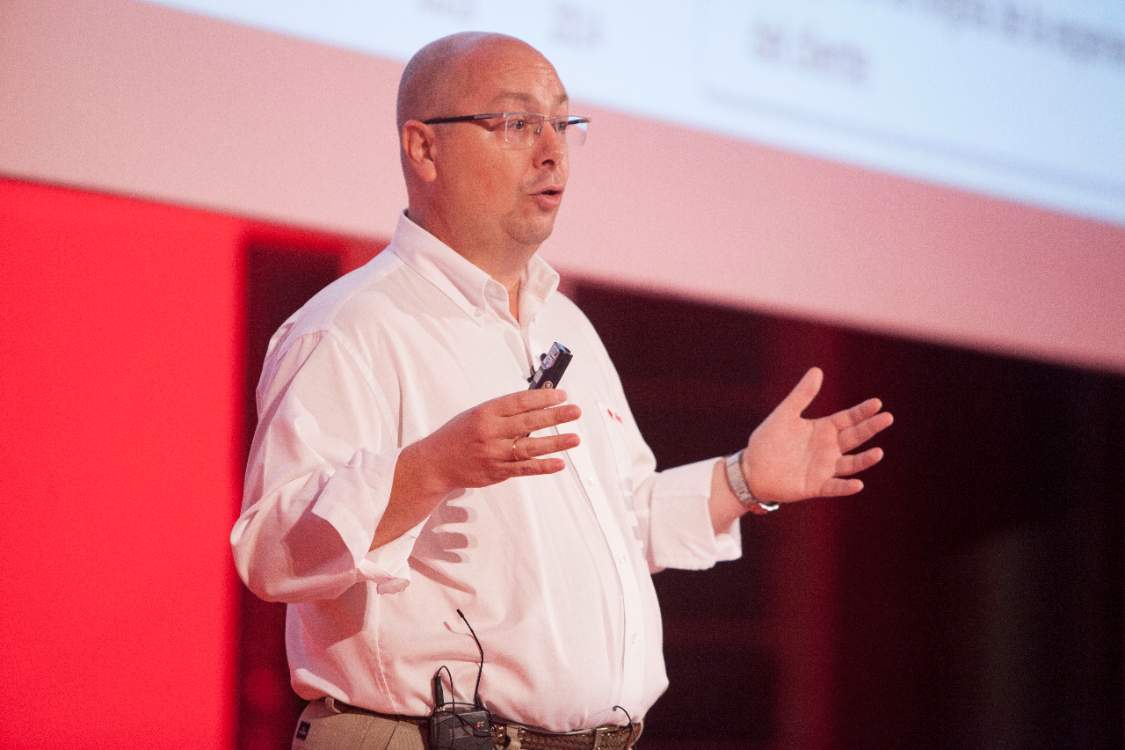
(323,728)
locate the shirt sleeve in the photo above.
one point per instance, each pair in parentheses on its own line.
(675,503)
(319,477)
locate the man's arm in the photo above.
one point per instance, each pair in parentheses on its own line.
(789,458)
(330,497)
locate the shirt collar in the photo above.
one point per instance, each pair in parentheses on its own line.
(473,290)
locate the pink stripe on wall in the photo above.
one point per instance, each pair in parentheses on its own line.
(752,226)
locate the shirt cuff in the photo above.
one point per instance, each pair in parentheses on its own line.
(681,531)
(353,502)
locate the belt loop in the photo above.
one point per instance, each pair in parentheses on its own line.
(512,732)
(600,732)
(330,703)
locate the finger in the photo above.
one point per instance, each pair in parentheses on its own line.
(525,401)
(853,464)
(522,424)
(856,436)
(535,466)
(804,392)
(447,540)
(840,487)
(541,446)
(856,414)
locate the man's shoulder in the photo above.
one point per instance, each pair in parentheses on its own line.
(357,303)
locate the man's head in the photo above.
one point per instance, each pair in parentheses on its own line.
(483,196)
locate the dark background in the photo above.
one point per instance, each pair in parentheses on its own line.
(969,597)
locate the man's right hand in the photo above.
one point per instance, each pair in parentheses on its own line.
(484,445)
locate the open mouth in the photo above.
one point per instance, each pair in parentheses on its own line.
(549,197)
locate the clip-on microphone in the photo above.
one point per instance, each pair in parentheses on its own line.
(455,725)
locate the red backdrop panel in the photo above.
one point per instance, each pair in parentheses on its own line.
(121,343)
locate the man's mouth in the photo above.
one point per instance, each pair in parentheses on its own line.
(549,197)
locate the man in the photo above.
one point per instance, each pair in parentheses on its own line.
(392,483)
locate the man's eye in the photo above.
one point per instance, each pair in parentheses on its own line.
(561,125)
(517,124)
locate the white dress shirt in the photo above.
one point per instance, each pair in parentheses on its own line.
(553,572)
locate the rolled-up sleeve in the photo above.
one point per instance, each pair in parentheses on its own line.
(319,477)
(680,531)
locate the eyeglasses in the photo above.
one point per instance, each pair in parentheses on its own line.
(522,129)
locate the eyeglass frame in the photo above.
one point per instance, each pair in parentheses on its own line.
(569,120)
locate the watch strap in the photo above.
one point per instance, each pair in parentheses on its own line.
(736,478)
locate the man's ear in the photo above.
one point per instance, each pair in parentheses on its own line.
(419,150)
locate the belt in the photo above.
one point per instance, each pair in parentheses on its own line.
(508,735)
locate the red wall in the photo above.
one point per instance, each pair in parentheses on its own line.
(123,339)
(121,345)
(122,440)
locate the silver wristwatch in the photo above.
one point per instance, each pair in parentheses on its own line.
(741,489)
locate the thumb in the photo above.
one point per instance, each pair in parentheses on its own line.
(804,392)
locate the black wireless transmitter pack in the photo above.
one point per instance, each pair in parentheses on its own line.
(456,725)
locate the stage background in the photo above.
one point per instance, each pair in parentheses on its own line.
(150,243)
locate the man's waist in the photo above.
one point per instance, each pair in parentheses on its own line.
(533,685)
(512,734)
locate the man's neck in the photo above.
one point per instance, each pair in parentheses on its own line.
(506,264)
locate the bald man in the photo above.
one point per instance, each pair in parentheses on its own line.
(406,489)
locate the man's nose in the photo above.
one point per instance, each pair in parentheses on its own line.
(550,146)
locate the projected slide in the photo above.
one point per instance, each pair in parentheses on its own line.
(1021,99)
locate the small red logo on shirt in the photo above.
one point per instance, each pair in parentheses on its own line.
(614,415)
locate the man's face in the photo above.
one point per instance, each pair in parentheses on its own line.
(493,194)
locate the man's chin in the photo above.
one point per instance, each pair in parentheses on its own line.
(535,232)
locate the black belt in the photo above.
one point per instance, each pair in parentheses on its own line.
(508,733)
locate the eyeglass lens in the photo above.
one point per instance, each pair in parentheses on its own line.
(524,129)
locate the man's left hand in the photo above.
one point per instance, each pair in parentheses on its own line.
(790,458)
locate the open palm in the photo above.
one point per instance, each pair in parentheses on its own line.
(790,458)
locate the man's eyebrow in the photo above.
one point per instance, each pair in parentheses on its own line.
(526,100)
